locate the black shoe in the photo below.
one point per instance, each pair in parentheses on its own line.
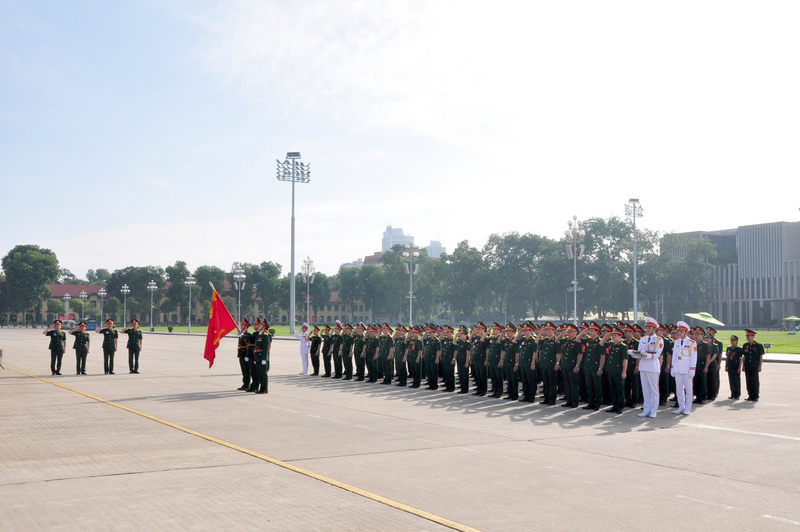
(400,384)
(110,372)
(463,391)
(482,394)
(414,386)
(662,403)
(736,398)
(630,404)
(386,382)
(567,405)
(588,407)
(674,405)
(508,398)
(754,400)
(595,408)
(106,373)
(261,391)
(359,379)
(611,410)
(542,402)
(241,388)
(83,373)
(700,402)
(476,393)
(58,373)
(327,375)
(136,372)
(618,410)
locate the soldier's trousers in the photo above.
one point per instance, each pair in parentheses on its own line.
(402,370)
(631,383)
(360,363)
(108,360)
(735,382)
(388,368)
(528,378)
(594,388)
(80,360)
(255,373)
(512,381)
(133,358)
(482,377)
(244,365)
(372,368)
(416,375)
(55,360)
(348,366)
(432,373)
(549,385)
(713,380)
(663,386)
(263,370)
(752,381)
(617,390)
(571,385)
(337,366)
(326,361)
(582,382)
(463,374)
(449,374)
(315,363)
(605,384)
(496,374)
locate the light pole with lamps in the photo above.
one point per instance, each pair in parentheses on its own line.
(152,286)
(577,233)
(633,209)
(190,282)
(308,277)
(102,293)
(238,284)
(67,297)
(293,170)
(409,255)
(125,291)
(82,295)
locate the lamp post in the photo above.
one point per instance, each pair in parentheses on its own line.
(152,286)
(125,291)
(67,297)
(238,284)
(633,209)
(293,170)
(82,295)
(102,293)
(409,255)
(577,233)
(190,282)
(308,277)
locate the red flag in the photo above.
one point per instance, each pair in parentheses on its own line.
(220,323)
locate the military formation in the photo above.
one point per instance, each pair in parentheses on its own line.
(611,365)
(82,341)
(253,351)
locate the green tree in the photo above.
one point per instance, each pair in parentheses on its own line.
(100,276)
(28,270)
(55,307)
(466,279)
(113,308)
(205,276)
(350,289)
(263,281)
(177,295)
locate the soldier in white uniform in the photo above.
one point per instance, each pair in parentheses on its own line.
(649,354)
(684,364)
(305,347)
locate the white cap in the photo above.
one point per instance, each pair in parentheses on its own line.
(651,321)
(683,325)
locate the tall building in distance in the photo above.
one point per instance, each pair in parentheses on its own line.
(435,249)
(393,236)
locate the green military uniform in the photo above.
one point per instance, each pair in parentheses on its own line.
(446,359)
(615,362)
(526,347)
(570,352)
(732,363)
(370,349)
(510,369)
(413,352)
(594,359)
(81,347)
(753,354)
(110,336)
(547,361)
(244,354)
(664,376)
(385,343)
(336,346)
(431,347)
(479,365)
(399,362)
(327,339)
(58,341)
(261,354)
(134,345)
(346,355)
(463,348)
(494,350)
(358,354)
(704,352)
(316,341)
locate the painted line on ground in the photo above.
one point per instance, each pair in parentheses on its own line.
(701,501)
(781,520)
(352,489)
(740,431)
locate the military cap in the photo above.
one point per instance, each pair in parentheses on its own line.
(606,327)
(549,325)
(594,325)
(651,321)
(510,327)
(734,337)
(638,328)
(315,329)
(109,320)
(584,325)
(258,320)
(134,321)
(82,324)
(326,327)
(496,325)
(247,323)
(265,324)
(570,327)
(712,330)
(749,332)
(682,325)
(348,326)
(57,321)
(616,330)
(526,327)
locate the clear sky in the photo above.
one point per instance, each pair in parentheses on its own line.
(146,132)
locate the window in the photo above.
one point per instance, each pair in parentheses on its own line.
(361,308)
(329,319)
(329,308)
(283,318)
(336,308)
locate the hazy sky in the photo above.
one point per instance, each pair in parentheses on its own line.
(138,133)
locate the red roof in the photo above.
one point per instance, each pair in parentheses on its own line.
(74,289)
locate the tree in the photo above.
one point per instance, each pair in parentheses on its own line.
(137,278)
(178,293)
(28,270)
(265,281)
(55,307)
(466,279)
(350,290)
(113,307)
(205,276)
(98,277)
(67,277)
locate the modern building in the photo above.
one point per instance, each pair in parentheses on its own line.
(393,236)
(435,249)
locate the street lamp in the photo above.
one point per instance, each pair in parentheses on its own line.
(190,282)
(575,253)
(125,291)
(238,284)
(308,277)
(67,297)
(408,257)
(633,209)
(102,293)
(82,295)
(152,286)
(293,170)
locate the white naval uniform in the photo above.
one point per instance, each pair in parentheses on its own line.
(684,364)
(305,347)
(650,348)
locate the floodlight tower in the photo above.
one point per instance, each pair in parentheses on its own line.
(577,233)
(308,277)
(409,255)
(633,209)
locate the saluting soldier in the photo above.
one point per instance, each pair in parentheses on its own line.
(547,348)
(358,351)
(414,353)
(526,350)
(316,341)
(242,352)
(616,367)
(255,373)
(447,357)
(346,352)
(110,339)
(327,339)
(494,364)
(632,375)
(605,382)
(371,353)
(461,361)
(431,347)
(386,344)
(568,360)
(509,360)
(399,354)
(134,345)
(753,353)
(336,346)
(594,358)
(478,341)
(261,354)
(305,344)
(58,341)
(733,366)
(684,367)
(81,347)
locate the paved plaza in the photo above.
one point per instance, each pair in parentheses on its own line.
(187,451)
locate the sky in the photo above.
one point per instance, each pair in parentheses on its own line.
(138,133)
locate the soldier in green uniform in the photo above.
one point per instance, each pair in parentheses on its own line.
(58,340)
(733,366)
(605,383)
(714,366)
(386,344)
(632,385)
(243,354)
(547,347)
(134,345)
(705,353)
(430,349)
(568,359)
(414,355)
(594,358)
(358,351)
(81,347)
(110,339)
(616,367)
(255,374)
(666,363)
(526,349)
(346,352)
(316,341)
(336,346)
(447,357)
(461,361)
(399,354)
(371,353)
(327,339)
(494,350)
(261,354)
(509,360)
(753,353)
(478,337)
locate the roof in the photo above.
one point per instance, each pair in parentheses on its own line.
(59,290)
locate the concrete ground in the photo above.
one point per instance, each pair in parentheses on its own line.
(72,462)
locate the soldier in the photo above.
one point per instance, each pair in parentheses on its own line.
(243,354)
(134,345)
(261,354)
(386,345)
(594,358)
(371,345)
(547,347)
(733,365)
(447,358)
(650,350)
(431,347)
(81,347)
(716,364)
(632,378)
(568,360)
(399,355)
(58,340)
(478,341)
(346,352)
(664,378)
(461,360)
(414,354)
(525,351)
(336,346)
(255,372)
(605,382)
(305,345)
(753,353)
(509,361)
(705,354)
(358,350)
(316,340)
(494,364)
(110,339)
(616,367)
(684,367)
(326,350)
